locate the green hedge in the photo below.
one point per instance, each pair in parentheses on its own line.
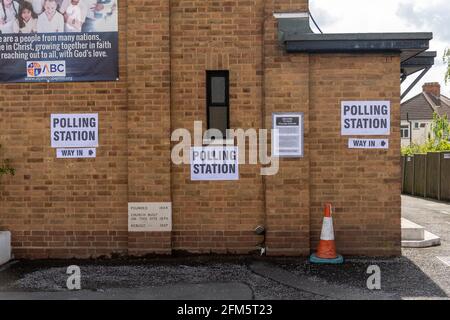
(430,146)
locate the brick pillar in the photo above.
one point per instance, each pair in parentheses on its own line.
(216,216)
(286,90)
(363,185)
(148,41)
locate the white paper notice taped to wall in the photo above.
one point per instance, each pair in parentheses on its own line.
(287,138)
(365,118)
(76,153)
(368,144)
(74,130)
(214,163)
(149,216)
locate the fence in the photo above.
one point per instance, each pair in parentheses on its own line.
(427,175)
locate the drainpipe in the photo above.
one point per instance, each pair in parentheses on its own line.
(410,128)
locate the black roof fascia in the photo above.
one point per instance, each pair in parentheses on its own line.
(418,63)
(408,44)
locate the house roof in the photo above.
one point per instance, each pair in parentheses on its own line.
(417,108)
(423,105)
(442,105)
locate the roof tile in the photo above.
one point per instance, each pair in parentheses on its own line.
(416,108)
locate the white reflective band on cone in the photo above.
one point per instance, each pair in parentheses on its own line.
(327,229)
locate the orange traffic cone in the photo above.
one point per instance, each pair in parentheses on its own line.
(326,250)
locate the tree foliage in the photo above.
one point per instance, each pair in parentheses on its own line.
(439,141)
(440,128)
(447,61)
(5,167)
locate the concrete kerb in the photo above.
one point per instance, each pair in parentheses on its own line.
(205,291)
(415,236)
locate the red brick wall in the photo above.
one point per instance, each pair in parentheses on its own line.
(78,208)
(65,208)
(363,185)
(216,216)
(286,89)
(148,65)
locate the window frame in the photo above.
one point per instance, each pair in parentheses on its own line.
(403,129)
(209,104)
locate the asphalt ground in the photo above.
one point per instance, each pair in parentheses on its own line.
(417,274)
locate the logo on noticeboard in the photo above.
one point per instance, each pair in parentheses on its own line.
(43,69)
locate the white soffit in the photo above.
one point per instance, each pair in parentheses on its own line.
(290,15)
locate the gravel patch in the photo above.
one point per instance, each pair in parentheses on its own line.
(418,274)
(99,277)
(399,276)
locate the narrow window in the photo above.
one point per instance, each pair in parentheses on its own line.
(404,131)
(218,100)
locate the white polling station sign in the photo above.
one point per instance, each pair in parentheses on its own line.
(368,143)
(365,118)
(74,130)
(214,163)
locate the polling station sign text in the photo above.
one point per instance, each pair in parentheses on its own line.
(368,144)
(365,118)
(214,163)
(63,41)
(76,153)
(74,130)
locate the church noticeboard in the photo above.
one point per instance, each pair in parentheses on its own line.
(288,135)
(59,41)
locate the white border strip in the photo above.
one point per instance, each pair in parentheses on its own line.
(445,260)
(290,15)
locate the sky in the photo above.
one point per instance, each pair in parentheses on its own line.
(360,16)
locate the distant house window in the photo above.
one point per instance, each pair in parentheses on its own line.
(422,125)
(416,125)
(218,100)
(404,131)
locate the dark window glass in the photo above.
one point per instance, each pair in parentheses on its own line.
(218,118)
(217,90)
